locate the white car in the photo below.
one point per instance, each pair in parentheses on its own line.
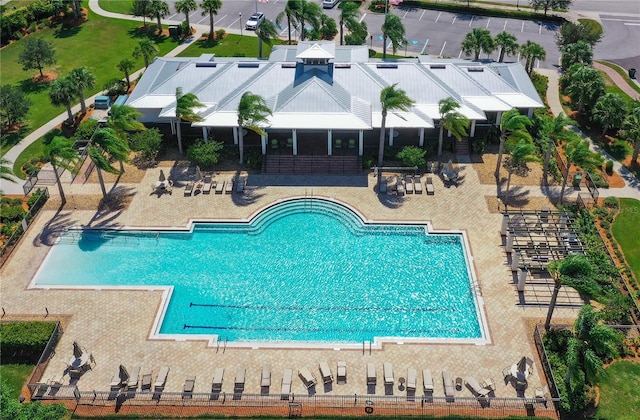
(254,21)
(328,4)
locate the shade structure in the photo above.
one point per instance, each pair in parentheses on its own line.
(199,176)
(77,351)
(162,177)
(124,375)
(522,365)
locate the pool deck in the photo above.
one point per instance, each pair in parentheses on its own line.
(115,325)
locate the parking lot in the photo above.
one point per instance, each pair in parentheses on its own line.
(428,31)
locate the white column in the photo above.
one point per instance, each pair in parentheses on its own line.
(391,137)
(235,135)
(265,140)
(472,132)
(205,134)
(360,142)
(173,127)
(515,260)
(522,277)
(329,142)
(505,225)
(421,136)
(509,246)
(498,118)
(295,142)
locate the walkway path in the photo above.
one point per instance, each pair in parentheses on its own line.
(617,79)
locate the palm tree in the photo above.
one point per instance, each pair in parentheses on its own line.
(609,111)
(106,146)
(266,33)
(577,153)
(6,173)
(532,52)
(391,99)
(147,49)
(185,104)
(62,92)
(211,8)
(159,9)
(307,11)
(290,12)
(512,126)
(508,44)
(563,272)
(631,127)
(578,52)
(451,120)
(393,29)
(476,41)
(122,118)
(584,85)
(186,7)
(126,65)
(553,129)
(349,11)
(591,345)
(252,114)
(62,154)
(521,153)
(82,79)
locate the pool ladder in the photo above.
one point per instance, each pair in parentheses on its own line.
(364,347)
(221,344)
(308,198)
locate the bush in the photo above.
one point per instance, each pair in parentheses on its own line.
(609,167)
(147,143)
(12,214)
(254,159)
(611,202)
(205,154)
(115,87)
(33,199)
(85,130)
(220,33)
(413,156)
(619,149)
(24,342)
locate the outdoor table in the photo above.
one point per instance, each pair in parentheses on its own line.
(517,374)
(162,184)
(401,381)
(75,362)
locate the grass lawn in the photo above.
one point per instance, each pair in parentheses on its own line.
(625,230)
(116,6)
(230,46)
(619,392)
(611,87)
(15,375)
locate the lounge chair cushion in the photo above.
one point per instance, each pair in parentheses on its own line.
(387,370)
(287,377)
(265,379)
(161,379)
(307,377)
(239,381)
(325,372)
(411,379)
(189,384)
(427,380)
(475,386)
(371,373)
(342,371)
(448,384)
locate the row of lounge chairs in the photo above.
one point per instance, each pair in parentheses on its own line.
(236,184)
(407,185)
(130,380)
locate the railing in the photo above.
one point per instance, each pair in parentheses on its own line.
(13,240)
(43,362)
(538,333)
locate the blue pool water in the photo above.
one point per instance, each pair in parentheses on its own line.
(303,270)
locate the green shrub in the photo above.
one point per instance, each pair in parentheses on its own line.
(605,224)
(85,129)
(205,154)
(611,202)
(220,33)
(254,159)
(619,149)
(609,167)
(12,214)
(413,156)
(33,199)
(147,143)
(24,342)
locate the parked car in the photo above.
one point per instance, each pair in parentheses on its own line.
(254,21)
(328,4)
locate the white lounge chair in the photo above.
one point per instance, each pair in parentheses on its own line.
(399,186)
(132,383)
(285,388)
(408,182)
(307,377)
(429,186)
(145,385)
(411,379)
(241,182)
(387,370)
(427,380)
(238,383)
(161,379)
(477,390)
(206,187)
(218,375)
(325,372)
(417,185)
(189,384)
(228,189)
(115,380)
(188,190)
(342,372)
(371,373)
(265,379)
(447,382)
(219,187)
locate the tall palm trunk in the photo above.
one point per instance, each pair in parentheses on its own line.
(440,139)
(552,304)
(210,38)
(59,182)
(382,138)
(547,158)
(384,46)
(101,179)
(341,32)
(503,138)
(159,24)
(259,47)
(501,57)
(636,152)
(83,106)
(179,134)
(69,113)
(564,181)
(289,27)
(241,143)
(506,194)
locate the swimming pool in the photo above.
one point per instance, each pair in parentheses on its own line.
(305,270)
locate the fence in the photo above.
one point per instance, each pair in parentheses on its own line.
(47,354)
(293,405)
(11,243)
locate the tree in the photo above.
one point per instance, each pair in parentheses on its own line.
(577,153)
(82,79)
(76,6)
(327,29)
(252,114)
(160,10)
(553,129)
(147,144)
(391,99)
(146,49)
(532,52)
(578,52)
(412,156)
(520,153)
(62,154)
(267,33)
(205,153)
(591,345)
(210,7)
(631,129)
(584,85)
(507,43)
(476,41)
(185,104)
(62,92)
(609,111)
(140,8)
(14,105)
(562,272)
(186,7)
(451,120)
(122,119)
(290,12)
(547,5)
(12,408)
(126,65)
(107,146)
(349,11)
(392,29)
(512,126)
(37,53)
(570,33)
(307,11)
(358,32)
(6,173)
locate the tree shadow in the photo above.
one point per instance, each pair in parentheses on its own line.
(10,139)
(30,86)
(67,31)
(150,33)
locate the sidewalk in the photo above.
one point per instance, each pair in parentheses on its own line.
(618,80)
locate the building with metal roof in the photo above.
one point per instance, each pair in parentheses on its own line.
(325,98)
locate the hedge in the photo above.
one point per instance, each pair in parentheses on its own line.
(24,342)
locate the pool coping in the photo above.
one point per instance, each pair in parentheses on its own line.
(213,340)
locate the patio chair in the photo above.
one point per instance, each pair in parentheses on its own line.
(145,385)
(274,143)
(342,372)
(289,142)
(228,189)
(238,383)
(475,387)
(338,144)
(541,393)
(411,379)
(132,383)
(417,185)
(325,372)
(216,384)
(371,373)
(387,371)
(489,383)
(188,190)
(447,382)
(219,187)
(308,378)
(408,182)
(429,186)
(352,144)
(287,377)
(206,187)
(161,379)
(187,388)
(427,380)
(506,374)
(265,379)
